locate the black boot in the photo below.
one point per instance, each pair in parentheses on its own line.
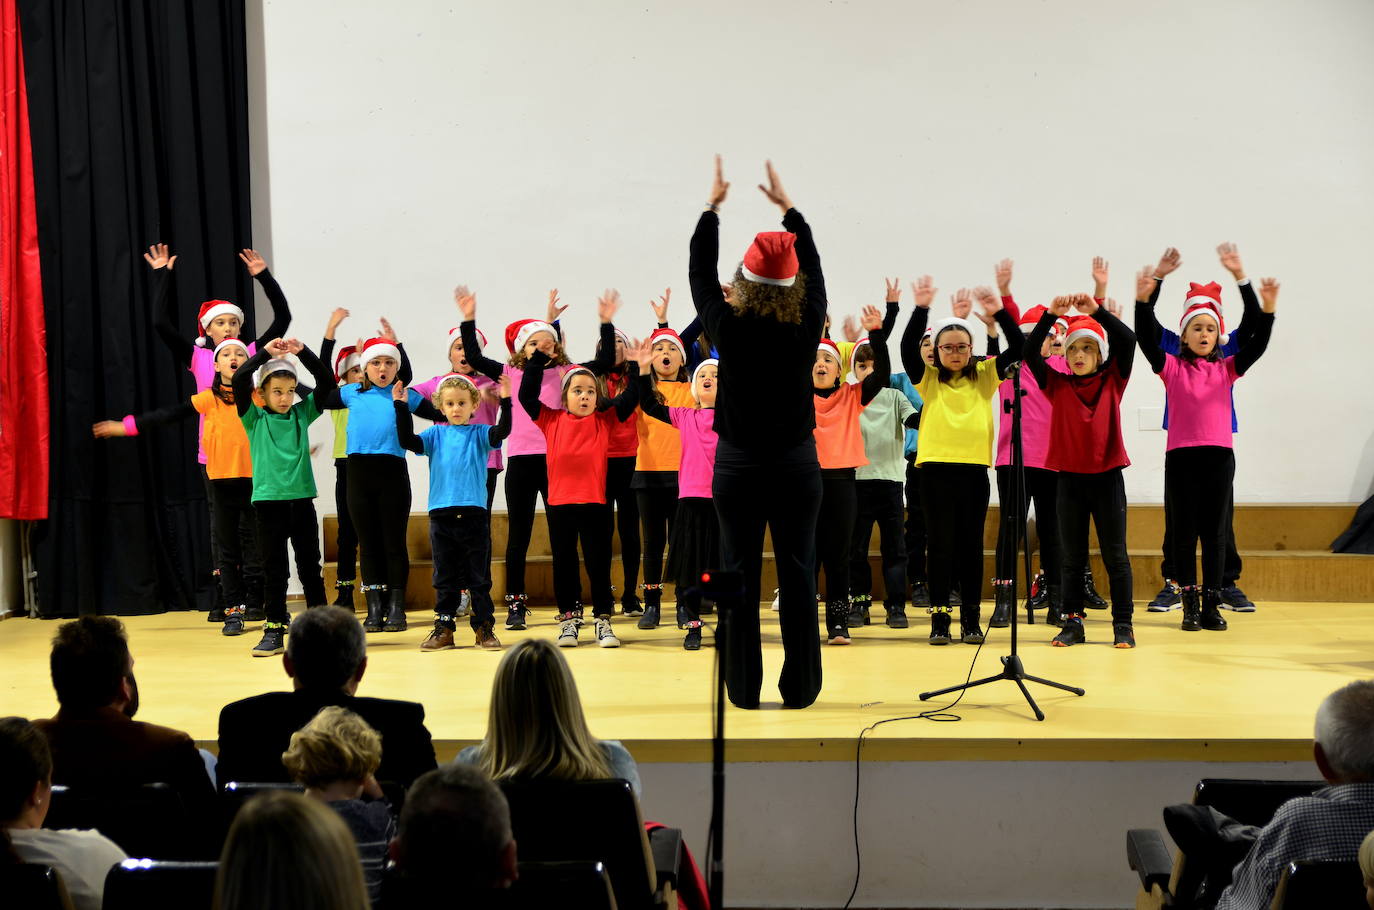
(896,615)
(516,611)
(395,611)
(1001,608)
(1192,610)
(970,633)
(920,594)
(375,596)
(653,601)
(345,594)
(859,606)
(1212,620)
(1039,593)
(1091,599)
(1054,606)
(939,625)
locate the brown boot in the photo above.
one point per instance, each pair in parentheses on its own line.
(440,639)
(486,639)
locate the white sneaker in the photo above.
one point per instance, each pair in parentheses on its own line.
(464,604)
(567,634)
(605,637)
(775,600)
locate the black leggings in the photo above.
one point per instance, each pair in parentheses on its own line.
(1101,497)
(347,538)
(527,478)
(1233,562)
(835,532)
(1197,490)
(379,499)
(657,508)
(1042,488)
(492,474)
(777,490)
(915,527)
(282,521)
(236,541)
(955,499)
(590,525)
(880,503)
(622,499)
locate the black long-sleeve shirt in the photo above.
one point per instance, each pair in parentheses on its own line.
(1256,340)
(532,380)
(329,398)
(758,354)
(164,314)
(601,364)
(243,378)
(915,365)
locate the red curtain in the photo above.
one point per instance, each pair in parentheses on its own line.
(23,349)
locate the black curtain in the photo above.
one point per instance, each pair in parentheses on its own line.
(139,120)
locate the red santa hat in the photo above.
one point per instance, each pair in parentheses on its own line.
(671,337)
(211,310)
(519,332)
(1030,318)
(1088,327)
(1203,299)
(379,347)
(345,360)
(772,259)
(853,352)
(456,333)
(229,343)
(826,346)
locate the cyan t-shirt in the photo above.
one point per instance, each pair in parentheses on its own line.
(372,421)
(902,383)
(1170,344)
(457,463)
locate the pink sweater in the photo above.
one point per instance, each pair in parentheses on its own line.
(525,437)
(1035,418)
(1198,393)
(203,369)
(696,426)
(488,412)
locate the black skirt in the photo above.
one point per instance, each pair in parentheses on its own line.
(695,544)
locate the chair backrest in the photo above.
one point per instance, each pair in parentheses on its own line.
(586,821)
(1251,802)
(145,884)
(236,793)
(33,887)
(1329,884)
(146,820)
(568,884)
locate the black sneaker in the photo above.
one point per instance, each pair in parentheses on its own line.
(1123,635)
(836,623)
(920,594)
(939,627)
(1071,634)
(344,594)
(692,642)
(858,610)
(1091,599)
(273,640)
(630,605)
(233,621)
(216,614)
(896,616)
(516,612)
(1233,598)
(970,633)
(1192,611)
(255,614)
(1170,597)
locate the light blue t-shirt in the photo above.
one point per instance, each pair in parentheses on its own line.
(372,421)
(457,464)
(902,383)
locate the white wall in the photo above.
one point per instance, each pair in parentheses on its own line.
(521,146)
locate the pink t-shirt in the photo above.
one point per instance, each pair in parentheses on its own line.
(1198,393)
(203,368)
(488,412)
(1035,418)
(525,437)
(696,426)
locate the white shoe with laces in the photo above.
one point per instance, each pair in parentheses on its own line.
(605,636)
(567,634)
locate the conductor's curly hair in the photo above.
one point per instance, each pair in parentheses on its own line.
(753,298)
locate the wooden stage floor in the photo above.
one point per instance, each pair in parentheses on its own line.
(1248,694)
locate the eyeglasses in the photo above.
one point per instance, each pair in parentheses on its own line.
(956,348)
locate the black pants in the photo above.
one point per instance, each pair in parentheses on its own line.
(880,503)
(527,478)
(779,490)
(250,561)
(1197,491)
(915,527)
(1101,497)
(625,504)
(379,499)
(955,499)
(281,521)
(1042,488)
(460,539)
(347,538)
(1231,572)
(236,537)
(657,508)
(835,533)
(590,525)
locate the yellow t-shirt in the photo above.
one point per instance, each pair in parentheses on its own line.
(956,421)
(340,418)
(223,436)
(660,446)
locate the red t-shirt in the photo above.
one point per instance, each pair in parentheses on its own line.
(624,436)
(577,453)
(1085,424)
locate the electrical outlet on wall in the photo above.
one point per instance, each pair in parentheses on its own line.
(1150,419)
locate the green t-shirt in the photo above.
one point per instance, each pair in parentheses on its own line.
(280,448)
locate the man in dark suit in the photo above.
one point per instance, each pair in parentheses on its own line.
(326,655)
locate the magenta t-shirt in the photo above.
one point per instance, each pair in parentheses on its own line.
(696,427)
(1035,418)
(1198,393)
(203,368)
(488,412)
(525,436)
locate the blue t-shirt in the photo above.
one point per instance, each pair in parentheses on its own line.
(457,464)
(902,383)
(372,420)
(1169,344)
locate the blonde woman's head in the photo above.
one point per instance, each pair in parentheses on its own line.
(336,746)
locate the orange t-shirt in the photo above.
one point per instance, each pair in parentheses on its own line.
(660,446)
(223,437)
(839,435)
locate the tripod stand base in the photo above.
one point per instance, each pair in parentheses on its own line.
(1013,670)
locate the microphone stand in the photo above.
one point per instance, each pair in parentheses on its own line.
(726,591)
(1012,667)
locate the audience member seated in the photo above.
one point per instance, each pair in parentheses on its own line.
(335,757)
(94,739)
(536,728)
(287,851)
(1367,867)
(326,656)
(1329,824)
(454,840)
(82,858)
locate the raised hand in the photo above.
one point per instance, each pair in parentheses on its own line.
(398,391)
(553,311)
(277,347)
(962,303)
(255,263)
(607,305)
(850,328)
(719,187)
(894,290)
(989,302)
(1168,261)
(1113,307)
(643,354)
(872,319)
(661,306)
(105,429)
(335,319)
(467,302)
(1230,259)
(1003,272)
(505,385)
(1269,294)
(923,291)
(1060,306)
(1101,272)
(1144,284)
(1085,304)
(387,332)
(774,191)
(293,345)
(158,257)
